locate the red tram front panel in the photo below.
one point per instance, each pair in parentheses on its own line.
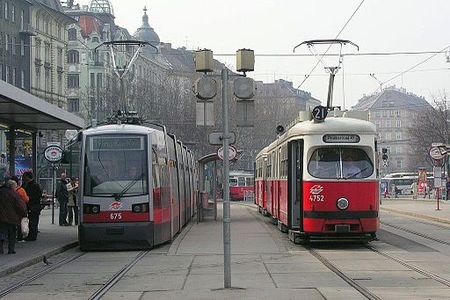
(322,213)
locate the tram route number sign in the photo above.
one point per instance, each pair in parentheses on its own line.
(53,153)
(436,153)
(319,113)
(231,153)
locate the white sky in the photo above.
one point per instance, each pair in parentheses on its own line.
(276,26)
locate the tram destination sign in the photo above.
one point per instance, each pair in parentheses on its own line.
(341,138)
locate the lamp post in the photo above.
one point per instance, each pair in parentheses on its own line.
(204,63)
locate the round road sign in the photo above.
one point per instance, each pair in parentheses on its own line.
(231,152)
(53,153)
(435,153)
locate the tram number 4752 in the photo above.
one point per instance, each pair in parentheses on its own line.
(316,198)
(115,216)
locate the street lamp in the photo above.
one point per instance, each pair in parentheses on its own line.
(243,89)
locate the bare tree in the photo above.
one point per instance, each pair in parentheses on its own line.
(430,126)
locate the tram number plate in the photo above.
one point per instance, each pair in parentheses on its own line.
(115,216)
(342,228)
(316,198)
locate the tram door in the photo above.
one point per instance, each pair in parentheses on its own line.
(295,180)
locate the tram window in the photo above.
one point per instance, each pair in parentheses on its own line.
(344,163)
(233,182)
(241,181)
(249,181)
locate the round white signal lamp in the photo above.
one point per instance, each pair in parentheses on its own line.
(342,203)
(205,88)
(244,88)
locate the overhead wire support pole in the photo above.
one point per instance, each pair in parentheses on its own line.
(226,186)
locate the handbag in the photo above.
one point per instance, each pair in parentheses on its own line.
(24,226)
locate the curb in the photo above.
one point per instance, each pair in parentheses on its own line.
(416,215)
(39,258)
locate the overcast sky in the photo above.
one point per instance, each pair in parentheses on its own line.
(276,26)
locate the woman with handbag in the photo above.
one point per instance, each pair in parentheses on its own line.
(12,210)
(23,195)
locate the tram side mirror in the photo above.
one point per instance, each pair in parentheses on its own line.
(280,129)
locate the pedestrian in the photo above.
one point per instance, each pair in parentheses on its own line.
(63,197)
(72,207)
(24,196)
(12,210)
(34,192)
(414,190)
(386,192)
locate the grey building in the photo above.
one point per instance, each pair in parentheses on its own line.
(393,111)
(15,32)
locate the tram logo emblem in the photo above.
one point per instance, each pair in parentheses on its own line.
(316,189)
(116,205)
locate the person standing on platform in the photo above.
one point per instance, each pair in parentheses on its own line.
(72,188)
(63,197)
(12,210)
(414,190)
(24,196)
(34,192)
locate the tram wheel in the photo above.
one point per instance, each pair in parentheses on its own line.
(274,221)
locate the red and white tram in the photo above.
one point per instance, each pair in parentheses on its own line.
(137,187)
(242,184)
(318,179)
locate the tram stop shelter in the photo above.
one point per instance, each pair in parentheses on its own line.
(207,166)
(20,110)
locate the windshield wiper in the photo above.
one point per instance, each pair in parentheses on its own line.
(128,186)
(357,173)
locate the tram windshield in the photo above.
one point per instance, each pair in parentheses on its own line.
(340,163)
(115,165)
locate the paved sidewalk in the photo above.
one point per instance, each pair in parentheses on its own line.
(52,239)
(420,208)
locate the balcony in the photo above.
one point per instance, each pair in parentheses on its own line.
(27,30)
(47,65)
(38,62)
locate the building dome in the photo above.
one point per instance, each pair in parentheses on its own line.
(101,6)
(145,32)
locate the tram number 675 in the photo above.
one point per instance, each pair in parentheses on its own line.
(316,198)
(115,216)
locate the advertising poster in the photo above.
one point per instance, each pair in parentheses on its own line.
(23,164)
(422,181)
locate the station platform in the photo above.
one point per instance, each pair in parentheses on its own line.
(258,260)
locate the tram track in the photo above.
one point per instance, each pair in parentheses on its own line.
(425,236)
(10,289)
(116,277)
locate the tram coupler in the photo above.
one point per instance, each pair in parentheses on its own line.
(297,237)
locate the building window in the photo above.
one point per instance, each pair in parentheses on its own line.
(1,72)
(60,84)
(38,78)
(388,123)
(398,136)
(60,55)
(47,80)
(22,20)
(37,22)
(72,34)
(399,164)
(22,79)
(398,123)
(8,74)
(38,49)
(397,113)
(13,13)
(14,73)
(47,52)
(47,23)
(6,10)
(388,136)
(6,42)
(92,80)
(73,81)
(22,47)
(384,113)
(13,46)
(399,150)
(73,105)
(73,57)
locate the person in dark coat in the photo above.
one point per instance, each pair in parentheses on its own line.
(62,194)
(34,192)
(12,210)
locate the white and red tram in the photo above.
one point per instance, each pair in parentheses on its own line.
(137,187)
(318,180)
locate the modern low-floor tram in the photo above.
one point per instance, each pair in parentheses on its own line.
(137,187)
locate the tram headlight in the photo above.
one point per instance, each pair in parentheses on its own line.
(95,209)
(342,203)
(136,208)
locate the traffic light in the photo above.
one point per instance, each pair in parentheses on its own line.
(384,153)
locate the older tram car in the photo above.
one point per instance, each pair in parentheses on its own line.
(318,179)
(136,188)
